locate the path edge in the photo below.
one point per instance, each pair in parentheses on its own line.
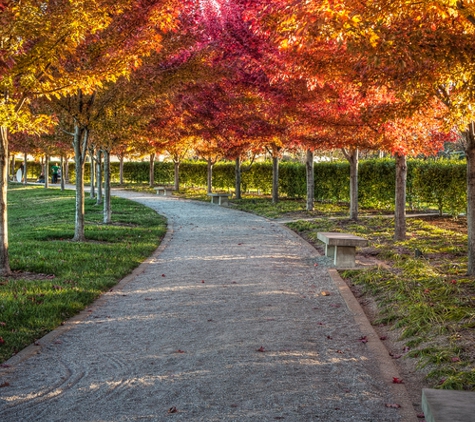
(36,347)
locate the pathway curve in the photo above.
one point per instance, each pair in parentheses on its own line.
(188,332)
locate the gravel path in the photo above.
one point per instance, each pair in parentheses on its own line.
(181,340)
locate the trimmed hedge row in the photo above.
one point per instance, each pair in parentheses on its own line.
(437,183)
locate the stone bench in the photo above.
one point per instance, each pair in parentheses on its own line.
(448,405)
(220,198)
(341,247)
(164,190)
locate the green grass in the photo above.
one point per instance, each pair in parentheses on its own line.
(429,299)
(55,278)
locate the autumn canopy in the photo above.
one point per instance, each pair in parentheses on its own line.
(229,79)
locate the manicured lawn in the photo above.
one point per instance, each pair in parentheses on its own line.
(55,278)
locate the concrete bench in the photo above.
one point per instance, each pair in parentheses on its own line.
(341,247)
(164,190)
(219,198)
(448,405)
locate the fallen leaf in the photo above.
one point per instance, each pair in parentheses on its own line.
(329,337)
(393,405)
(202,281)
(421,416)
(339,351)
(234,405)
(315,265)
(406,349)
(4,365)
(395,356)
(383,338)
(5,384)
(324,293)
(320,323)
(261,349)
(58,342)
(363,339)
(173,409)
(180,351)
(455,359)
(163,275)
(397,380)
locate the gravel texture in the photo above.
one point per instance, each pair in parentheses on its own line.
(237,319)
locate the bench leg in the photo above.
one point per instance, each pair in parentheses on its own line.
(223,201)
(215,200)
(329,251)
(344,256)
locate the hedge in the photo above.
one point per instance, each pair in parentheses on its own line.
(436,183)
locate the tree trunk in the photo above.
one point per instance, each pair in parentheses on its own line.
(107,187)
(400,195)
(176,170)
(63,173)
(66,170)
(352,157)
(310,180)
(46,173)
(151,176)
(210,175)
(237,187)
(92,192)
(470,151)
(11,170)
(99,175)
(121,169)
(80,150)
(4,260)
(25,168)
(275,179)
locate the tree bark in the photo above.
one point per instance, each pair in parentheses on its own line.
(275,179)
(237,183)
(210,175)
(99,175)
(176,173)
(92,191)
(80,150)
(11,170)
(107,187)
(25,168)
(121,169)
(469,136)
(353,157)
(4,259)
(46,173)
(310,180)
(400,195)
(63,173)
(151,176)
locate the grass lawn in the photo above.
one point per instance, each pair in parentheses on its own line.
(55,278)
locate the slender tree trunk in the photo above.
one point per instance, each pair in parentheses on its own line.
(25,168)
(46,173)
(275,179)
(210,175)
(151,176)
(66,169)
(310,180)
(400,195)
(11,170)
(99,175)
(176,173)
(80,151)
(470,151)
(63,173)
(92,191)
(107,187)
(238,173)
(352,157)
(4,260)
(121,169)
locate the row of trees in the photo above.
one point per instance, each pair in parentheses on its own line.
(233,78)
